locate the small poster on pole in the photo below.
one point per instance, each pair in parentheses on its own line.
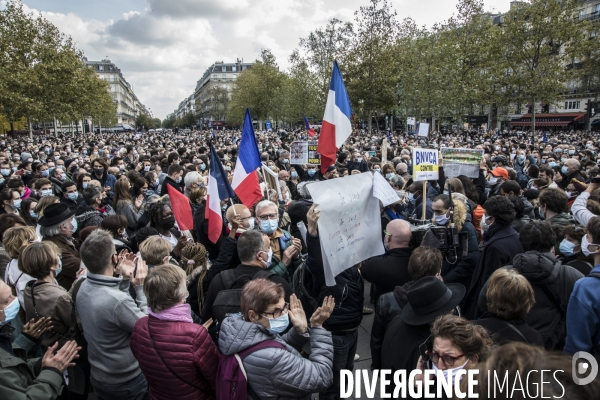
(425,165)
(422,129)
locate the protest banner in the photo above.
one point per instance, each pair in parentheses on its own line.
(304,152)
(425,165)
(383,190)
(422,129)
(349,217)
(461,162)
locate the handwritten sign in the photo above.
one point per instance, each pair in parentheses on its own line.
(349,219)
(304,153)
(461,162)
(422,129)
(383,190)
(425,165)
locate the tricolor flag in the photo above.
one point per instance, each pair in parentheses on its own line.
(245,179)
(218,190)
(336,127)
(309,129)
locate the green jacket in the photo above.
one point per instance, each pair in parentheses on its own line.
(279,268)
(18,380)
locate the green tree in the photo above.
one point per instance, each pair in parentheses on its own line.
(535,43)
(220,102)
(370,64)
(169,122)
(302,92)
(188,120)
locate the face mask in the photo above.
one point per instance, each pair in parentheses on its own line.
(74,223)
(411,198)
(552,164)
(271,167)
(378,170)
(33,214)
(156,182)
(45,173)
(543,161)
(57,157)
(286,161)
(5,172)
(450,373)
(269,226)
(521,159)
(11,311)
(447,193)
(564,170)
(99,171)
(16,204)
(359,159)
(84,185)
(389,175)
(584,246)
(58,271)
(228,168)
(294,175)
(441,219)
(269,257)
(46,192)
(178,180)
(168,223)
(121,167)
(567,248)
(311,172)
(280,324)
(72,196)
(571,152)
(493,180)
(484,224)
(63,176)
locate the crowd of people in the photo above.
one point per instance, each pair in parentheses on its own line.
(102,292)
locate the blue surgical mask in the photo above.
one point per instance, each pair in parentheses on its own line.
(269,226)
(16,204)
(74,223)
(11,311)
(45,173)
(571,152)
(389,175)
(5,172)
(46,192)
(202,167)
(521,159)
(178,180)
(564,170)
(441,219)
(269,257)
(228,168)
(552,164)
(294,175)
(411,197)
(311,172)
(33,214)
(72,196)
(567,248)
(84,185)
(286,161)
(378,170)
(63,176)
(279,324)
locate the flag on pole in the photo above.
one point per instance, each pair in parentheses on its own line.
(182,211)
(544,137)
(309,129)
(388,135)
(218,190)
(245,179)
(336,127)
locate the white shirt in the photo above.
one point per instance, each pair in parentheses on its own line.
(171,239)
(14,276)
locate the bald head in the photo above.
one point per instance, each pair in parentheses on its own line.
(243,212)
(400,234)
(284,175)
(401,168)
(572,165)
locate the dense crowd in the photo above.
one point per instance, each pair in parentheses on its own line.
(101,291)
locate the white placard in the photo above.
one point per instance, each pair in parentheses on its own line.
(423,129)
(383,190)
(425,165)
(410,121)
(350,222)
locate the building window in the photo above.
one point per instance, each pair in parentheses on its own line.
(224,76)
(234,68)
(597,8)
(234,76)
(228,68)
(572,105)
(100,67)
(214,76)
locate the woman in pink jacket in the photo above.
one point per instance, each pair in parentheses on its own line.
(178,358)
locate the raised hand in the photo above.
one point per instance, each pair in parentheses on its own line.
(36,329)
(322,313)
(297,315)
(61,359)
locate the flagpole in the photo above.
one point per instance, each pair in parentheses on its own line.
(232,205)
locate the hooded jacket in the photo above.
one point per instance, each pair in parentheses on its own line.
(563,220)
(89,216)
(275,373)
(547,315)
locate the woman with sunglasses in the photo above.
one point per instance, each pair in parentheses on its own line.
(277,369)
(455,344)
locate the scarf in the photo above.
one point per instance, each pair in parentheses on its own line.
(178,313)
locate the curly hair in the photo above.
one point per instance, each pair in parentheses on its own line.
(473,340)
(537,236)
(501,209)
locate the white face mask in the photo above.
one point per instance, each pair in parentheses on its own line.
(450,373)
(269,257)
(584,246)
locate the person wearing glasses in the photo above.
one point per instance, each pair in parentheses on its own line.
(427,299)
(284,252)
(454,344)
(279,370)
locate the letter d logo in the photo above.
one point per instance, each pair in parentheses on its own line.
(582,363)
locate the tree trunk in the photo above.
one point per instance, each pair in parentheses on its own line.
(54,118)
(30,131)
(12,129)
(370,123)
(533,115)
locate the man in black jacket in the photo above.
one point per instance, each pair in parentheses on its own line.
(390,269)
(253,250)
(347,315)
(174,178)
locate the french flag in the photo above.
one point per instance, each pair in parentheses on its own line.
(219,189)
(245,179)
(336,126)
(309,129)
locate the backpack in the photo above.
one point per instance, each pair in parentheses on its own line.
(302,281)
(232,381)
(227,301)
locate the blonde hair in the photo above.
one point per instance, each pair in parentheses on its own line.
(45,202)
(197,194)
(17,238)
(509,294)
(38,258)
(164,287)
(154,250)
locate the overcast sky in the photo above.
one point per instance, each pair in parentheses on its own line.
(164,46)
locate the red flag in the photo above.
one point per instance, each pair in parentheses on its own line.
(181,209)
